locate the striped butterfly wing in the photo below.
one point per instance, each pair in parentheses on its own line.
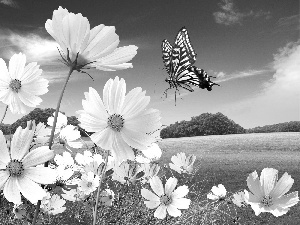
(183,40)
(167,54)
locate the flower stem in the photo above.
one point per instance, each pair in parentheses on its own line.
(99,187)
(4,114)
(51,137)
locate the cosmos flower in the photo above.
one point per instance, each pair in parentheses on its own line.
(41,134)
(181,163)
(95,48)
(166,199)
(239,199)
(267,194)
(62,121)
(68,136)
(150,170)
(217,192)
(127,172)
(151,153)
(20,85)
(53,205)
(107,197)
(18,171)
(88,183)
(73,195)
(117,119)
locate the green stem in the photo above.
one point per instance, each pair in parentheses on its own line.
(51,138)
(99,187)
(4,114)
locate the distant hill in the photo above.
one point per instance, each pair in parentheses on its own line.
(219,124)
(293,126)
(204,124)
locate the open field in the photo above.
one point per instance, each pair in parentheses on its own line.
(229,159)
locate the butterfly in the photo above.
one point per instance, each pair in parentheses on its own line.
(179,60)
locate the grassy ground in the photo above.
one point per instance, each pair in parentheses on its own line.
(229,159)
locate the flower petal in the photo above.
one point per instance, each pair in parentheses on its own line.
(282,186)
(181,203)
(152,204)
(287,201)
(161,212)
(11,191)
(170,185)
(41,175)
(121,150)
(30,190)
(180,192)
(253,184)
(29,99)
(38,156)
(149,195)
(268,179)
(17,65)
(21,142)
(173,211)
(135,102)
(4,154)
(4,175)
(5,77)
(37,87)
(157,186)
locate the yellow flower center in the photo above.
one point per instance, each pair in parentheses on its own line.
(15,168)
(15,85)
(115,122)
(165,200)
(267,201)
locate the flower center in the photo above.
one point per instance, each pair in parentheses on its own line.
(267,201)
(15,168)
(166,200)
(15,85)
(89,184)
(115,122)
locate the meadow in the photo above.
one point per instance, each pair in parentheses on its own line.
(221,159)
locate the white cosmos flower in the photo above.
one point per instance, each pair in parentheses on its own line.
(20,85)
(68,136)
(120,121)
(96,47)
(62,121)
(239,199)
(181,163)
(53,205)
(126,172)
(217,192)
(150,170)
(107,197)
(41,134)
(88,183)
(268,195)
(166,199)
(18,171)
(73,195)
(153,152)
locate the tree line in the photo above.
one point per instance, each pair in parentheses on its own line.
(219,124)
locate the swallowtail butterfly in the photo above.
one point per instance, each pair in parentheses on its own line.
(179,60)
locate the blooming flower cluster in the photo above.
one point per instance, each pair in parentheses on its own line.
(123,134)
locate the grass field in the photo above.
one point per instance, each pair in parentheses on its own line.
(229,159)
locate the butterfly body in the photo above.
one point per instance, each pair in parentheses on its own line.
(179,60)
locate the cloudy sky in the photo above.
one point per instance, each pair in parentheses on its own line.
(252,47)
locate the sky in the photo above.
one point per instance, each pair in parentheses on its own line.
(252,47)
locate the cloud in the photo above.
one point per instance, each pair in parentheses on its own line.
(10,3)
(238,75)
(279,101)
(220,74)
(230,15)
(291,23)
(35,47)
